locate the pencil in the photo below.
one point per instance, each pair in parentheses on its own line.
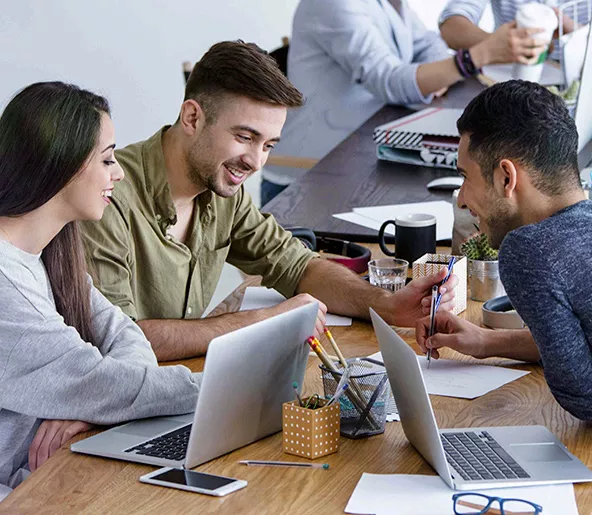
(353,394)
(335,347)
(261,463)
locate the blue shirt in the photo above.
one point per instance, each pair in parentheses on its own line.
(546,269)
(504,11)
(349,58)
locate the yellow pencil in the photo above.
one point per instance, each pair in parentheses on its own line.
(335,347)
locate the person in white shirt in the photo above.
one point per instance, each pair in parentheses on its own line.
(459,25)
(351,57)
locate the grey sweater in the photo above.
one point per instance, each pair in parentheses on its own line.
(48,372)
(546,269)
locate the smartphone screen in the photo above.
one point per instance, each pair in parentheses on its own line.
(195,479)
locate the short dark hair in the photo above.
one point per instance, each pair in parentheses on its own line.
(523,121)
(239,68)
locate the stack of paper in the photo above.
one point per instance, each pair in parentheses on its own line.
(426,138)
(258,297)
(400,494)
(374,217)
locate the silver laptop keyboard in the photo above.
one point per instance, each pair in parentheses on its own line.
(475,455)
(170,446)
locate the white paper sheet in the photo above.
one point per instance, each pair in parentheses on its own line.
(364,221)
(452,378)
(552,75)
(373,217)
(258,297)
(400,494)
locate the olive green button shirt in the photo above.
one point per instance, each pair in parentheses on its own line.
(151,275)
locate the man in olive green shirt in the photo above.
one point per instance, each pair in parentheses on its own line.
(182,212)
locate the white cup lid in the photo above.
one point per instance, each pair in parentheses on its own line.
(415,220)
(535,15)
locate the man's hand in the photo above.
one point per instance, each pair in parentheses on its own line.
(50,436)
(413,302)
(453,332)
(301,300)
(510,44)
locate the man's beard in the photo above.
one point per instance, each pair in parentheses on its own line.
(500,223)
(208,175)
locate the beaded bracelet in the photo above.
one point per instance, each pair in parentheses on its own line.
(464,63)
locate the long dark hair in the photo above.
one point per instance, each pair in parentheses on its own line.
(47,132)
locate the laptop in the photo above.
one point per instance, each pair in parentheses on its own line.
(583,115)
(471,458)
(248,375)
(583,110)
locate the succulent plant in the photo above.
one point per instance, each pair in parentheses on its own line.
(570,94)
(477,248)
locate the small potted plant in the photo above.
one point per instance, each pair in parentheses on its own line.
(484,277)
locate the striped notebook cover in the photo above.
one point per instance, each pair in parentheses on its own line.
(434,128)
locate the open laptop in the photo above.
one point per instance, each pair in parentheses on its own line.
(248,375)
(583,113)
(471,458)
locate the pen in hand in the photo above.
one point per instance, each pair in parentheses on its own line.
(432,319)
(436,299)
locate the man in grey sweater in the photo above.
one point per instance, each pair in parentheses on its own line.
(518,155)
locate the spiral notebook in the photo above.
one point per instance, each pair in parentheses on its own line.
(426,138)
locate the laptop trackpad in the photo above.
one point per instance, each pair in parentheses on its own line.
(540,452)
(148,427)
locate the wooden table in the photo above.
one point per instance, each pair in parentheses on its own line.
(73,483)
(351,176)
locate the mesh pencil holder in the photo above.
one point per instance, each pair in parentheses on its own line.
(363,406)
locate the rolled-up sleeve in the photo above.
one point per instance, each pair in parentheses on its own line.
(472,10)
(348,33)
(260,246)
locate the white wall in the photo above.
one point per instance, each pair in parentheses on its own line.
(129,50)
(132,50)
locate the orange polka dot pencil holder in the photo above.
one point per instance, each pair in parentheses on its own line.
(311,433)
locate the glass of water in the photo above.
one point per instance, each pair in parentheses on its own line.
(388,274)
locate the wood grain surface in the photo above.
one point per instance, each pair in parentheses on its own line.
(73,483)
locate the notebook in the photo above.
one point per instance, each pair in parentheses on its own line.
(426,138)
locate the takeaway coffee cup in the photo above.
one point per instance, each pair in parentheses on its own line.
(415,235)
(535,16)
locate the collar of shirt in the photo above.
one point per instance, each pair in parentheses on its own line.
(157,184)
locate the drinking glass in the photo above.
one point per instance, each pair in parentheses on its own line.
(388,274)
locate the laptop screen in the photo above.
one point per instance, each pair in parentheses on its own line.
(583,115)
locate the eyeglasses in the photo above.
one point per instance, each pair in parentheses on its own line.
(478,504)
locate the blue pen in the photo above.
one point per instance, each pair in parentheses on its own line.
(432,319)
(338,394)
(448,272)
(436,305)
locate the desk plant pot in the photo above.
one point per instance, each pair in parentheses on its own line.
(484,279)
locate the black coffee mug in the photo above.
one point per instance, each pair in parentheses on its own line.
(415,235)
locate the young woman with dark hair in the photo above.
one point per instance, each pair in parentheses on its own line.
(67,356)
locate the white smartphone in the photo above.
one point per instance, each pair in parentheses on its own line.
(193,481)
